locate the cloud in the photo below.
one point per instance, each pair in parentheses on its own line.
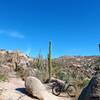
(12,34)
(16,35)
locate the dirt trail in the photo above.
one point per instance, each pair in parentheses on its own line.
(18,85)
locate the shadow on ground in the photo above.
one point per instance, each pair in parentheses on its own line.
(23,90)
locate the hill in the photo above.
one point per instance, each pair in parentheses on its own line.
(77,70)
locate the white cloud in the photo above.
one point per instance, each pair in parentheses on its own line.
(12,34)
(16,35)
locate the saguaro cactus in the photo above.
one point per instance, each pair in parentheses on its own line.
(50,60)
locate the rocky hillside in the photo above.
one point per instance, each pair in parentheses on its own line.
(75,69)
(11,62)
(15,65)
(83,64)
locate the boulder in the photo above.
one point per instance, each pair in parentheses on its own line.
(36,88)
(92,90)
(14,90)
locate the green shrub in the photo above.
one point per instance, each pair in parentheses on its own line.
(3,77)
(82,83)
(86,82)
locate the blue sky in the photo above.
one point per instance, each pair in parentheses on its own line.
(72,25)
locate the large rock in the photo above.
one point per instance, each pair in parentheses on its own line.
(14,90)
(92,91)
(36,88)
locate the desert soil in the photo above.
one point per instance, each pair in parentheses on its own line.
(18,86)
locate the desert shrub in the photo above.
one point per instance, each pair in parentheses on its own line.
(82,83)
(62,75)
(24,72)
(3,77)
(86,82)
(42,69)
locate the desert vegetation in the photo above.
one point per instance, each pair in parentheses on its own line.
(77,70)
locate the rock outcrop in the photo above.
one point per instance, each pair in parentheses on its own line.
(16,64)
(36,88)
(92,91)
(14,89)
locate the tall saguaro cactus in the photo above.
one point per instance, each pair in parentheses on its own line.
(50,60)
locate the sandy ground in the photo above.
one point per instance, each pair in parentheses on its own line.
(18,85)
